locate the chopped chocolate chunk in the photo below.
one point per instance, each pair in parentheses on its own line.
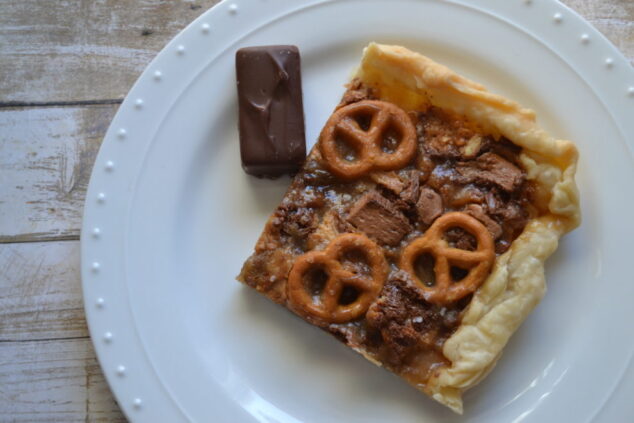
(379,219)
(299,223)
(490,168)
(503,148)
(389,180)
(429,205)
(296,216)
(459,238)
(510,213)
(406,322)
(514,218)
(271,115)
(477,211)
(412,190)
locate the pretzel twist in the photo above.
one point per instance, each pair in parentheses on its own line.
(367,144)
(479,262)
(326,306)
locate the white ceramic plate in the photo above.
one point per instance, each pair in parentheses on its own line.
(170,217)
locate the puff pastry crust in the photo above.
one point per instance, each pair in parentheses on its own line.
(516,283)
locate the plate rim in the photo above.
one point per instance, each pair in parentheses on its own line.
(92,235)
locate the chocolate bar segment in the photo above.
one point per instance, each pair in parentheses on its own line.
(271,114)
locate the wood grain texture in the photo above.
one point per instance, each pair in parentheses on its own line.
(74,50)
(46,157)
(54,381)
(40,292)
(48,57)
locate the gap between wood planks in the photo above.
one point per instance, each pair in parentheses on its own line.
(19,341)
(18,104)
(36,237)
(54,381)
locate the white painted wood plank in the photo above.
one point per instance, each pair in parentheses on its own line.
(40,291)
(83,49)
(54,381)
(87,50)
(46,157)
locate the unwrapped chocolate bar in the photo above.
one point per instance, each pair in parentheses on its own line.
(271,114)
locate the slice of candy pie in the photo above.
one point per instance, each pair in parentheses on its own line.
(416,231)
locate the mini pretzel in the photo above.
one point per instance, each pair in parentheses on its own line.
(479,262)
(327,308)
(367,144)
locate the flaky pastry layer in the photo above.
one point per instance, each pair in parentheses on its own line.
(517,281)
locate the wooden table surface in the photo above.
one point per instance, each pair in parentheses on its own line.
(64,69)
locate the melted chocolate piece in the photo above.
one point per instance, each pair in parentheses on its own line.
(379,218)
(271,115)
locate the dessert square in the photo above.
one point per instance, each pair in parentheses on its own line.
(417,230)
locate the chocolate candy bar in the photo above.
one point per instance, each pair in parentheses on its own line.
(271,114)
